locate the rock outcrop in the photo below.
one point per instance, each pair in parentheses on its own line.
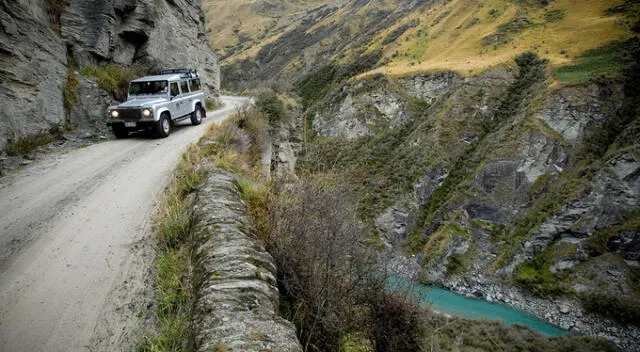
(161,34)
(236,291)
(39,38)
(508,201)
(32,71)
(87,115)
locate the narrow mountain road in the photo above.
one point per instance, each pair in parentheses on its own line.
(71,230)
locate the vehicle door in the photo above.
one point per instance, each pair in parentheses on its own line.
(174,104)
(185,98)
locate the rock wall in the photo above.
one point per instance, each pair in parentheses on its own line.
(236,306)
(162,34)
(32,70)
(36,45)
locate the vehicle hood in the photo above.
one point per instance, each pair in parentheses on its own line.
(145,102)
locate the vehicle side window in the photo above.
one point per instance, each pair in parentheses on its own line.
(174,89)
(184,87)
(195,84)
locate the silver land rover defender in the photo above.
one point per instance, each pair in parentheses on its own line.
(157,102)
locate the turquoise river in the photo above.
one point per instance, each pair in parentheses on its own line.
(448,302)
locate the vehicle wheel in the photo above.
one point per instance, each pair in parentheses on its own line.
(120,131)
(163,127)
(196,116)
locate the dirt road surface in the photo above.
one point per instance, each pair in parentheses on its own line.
(72,233)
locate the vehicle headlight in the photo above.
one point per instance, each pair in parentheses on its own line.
(115,114)
(147,112)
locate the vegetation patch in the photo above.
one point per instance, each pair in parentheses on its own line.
(317,84)
(55,8)
(600,62)
(619,308)
(396,33)
(115,78)
(380,168)
(529,83)
(70,92)
(536,277)
(554,16)
(213,104)
(601,136)
(172,282)
(27,145)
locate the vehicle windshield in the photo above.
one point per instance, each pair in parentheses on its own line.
(148,88)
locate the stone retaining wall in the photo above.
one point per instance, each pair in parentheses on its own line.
(236,306)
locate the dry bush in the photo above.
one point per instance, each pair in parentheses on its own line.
(331,283)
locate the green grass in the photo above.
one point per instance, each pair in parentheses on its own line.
(172,282)
(604,61)
(536,277)
(555,15)
(115,78)
(27,145)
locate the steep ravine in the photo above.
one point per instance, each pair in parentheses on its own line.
(491,183)
(43,42)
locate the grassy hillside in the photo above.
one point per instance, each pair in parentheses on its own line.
(235,26)
(467,36)
(288,39)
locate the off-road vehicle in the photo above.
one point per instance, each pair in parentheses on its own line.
(157,102)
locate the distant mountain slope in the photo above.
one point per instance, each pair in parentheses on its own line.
(238,25)
(465,36)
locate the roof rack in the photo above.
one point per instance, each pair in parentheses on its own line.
(184,72)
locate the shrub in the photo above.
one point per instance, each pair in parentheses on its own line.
(54,10)
(70,93)
(330,285)
(619,308)
(271,106)
(536,277)
(315,85)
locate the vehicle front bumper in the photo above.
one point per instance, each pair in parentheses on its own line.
(139,124)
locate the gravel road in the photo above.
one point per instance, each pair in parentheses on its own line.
(74,241)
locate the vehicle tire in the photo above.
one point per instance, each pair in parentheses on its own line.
(196,116)
(120,131)
(163,126)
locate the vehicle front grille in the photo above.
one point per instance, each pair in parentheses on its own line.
(129,114)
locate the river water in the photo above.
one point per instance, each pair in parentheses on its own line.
(451,303)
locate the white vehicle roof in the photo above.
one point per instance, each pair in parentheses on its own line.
(169,77)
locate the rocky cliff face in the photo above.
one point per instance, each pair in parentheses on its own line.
(39,38)
(502,198)
(33,70)
(160,34)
